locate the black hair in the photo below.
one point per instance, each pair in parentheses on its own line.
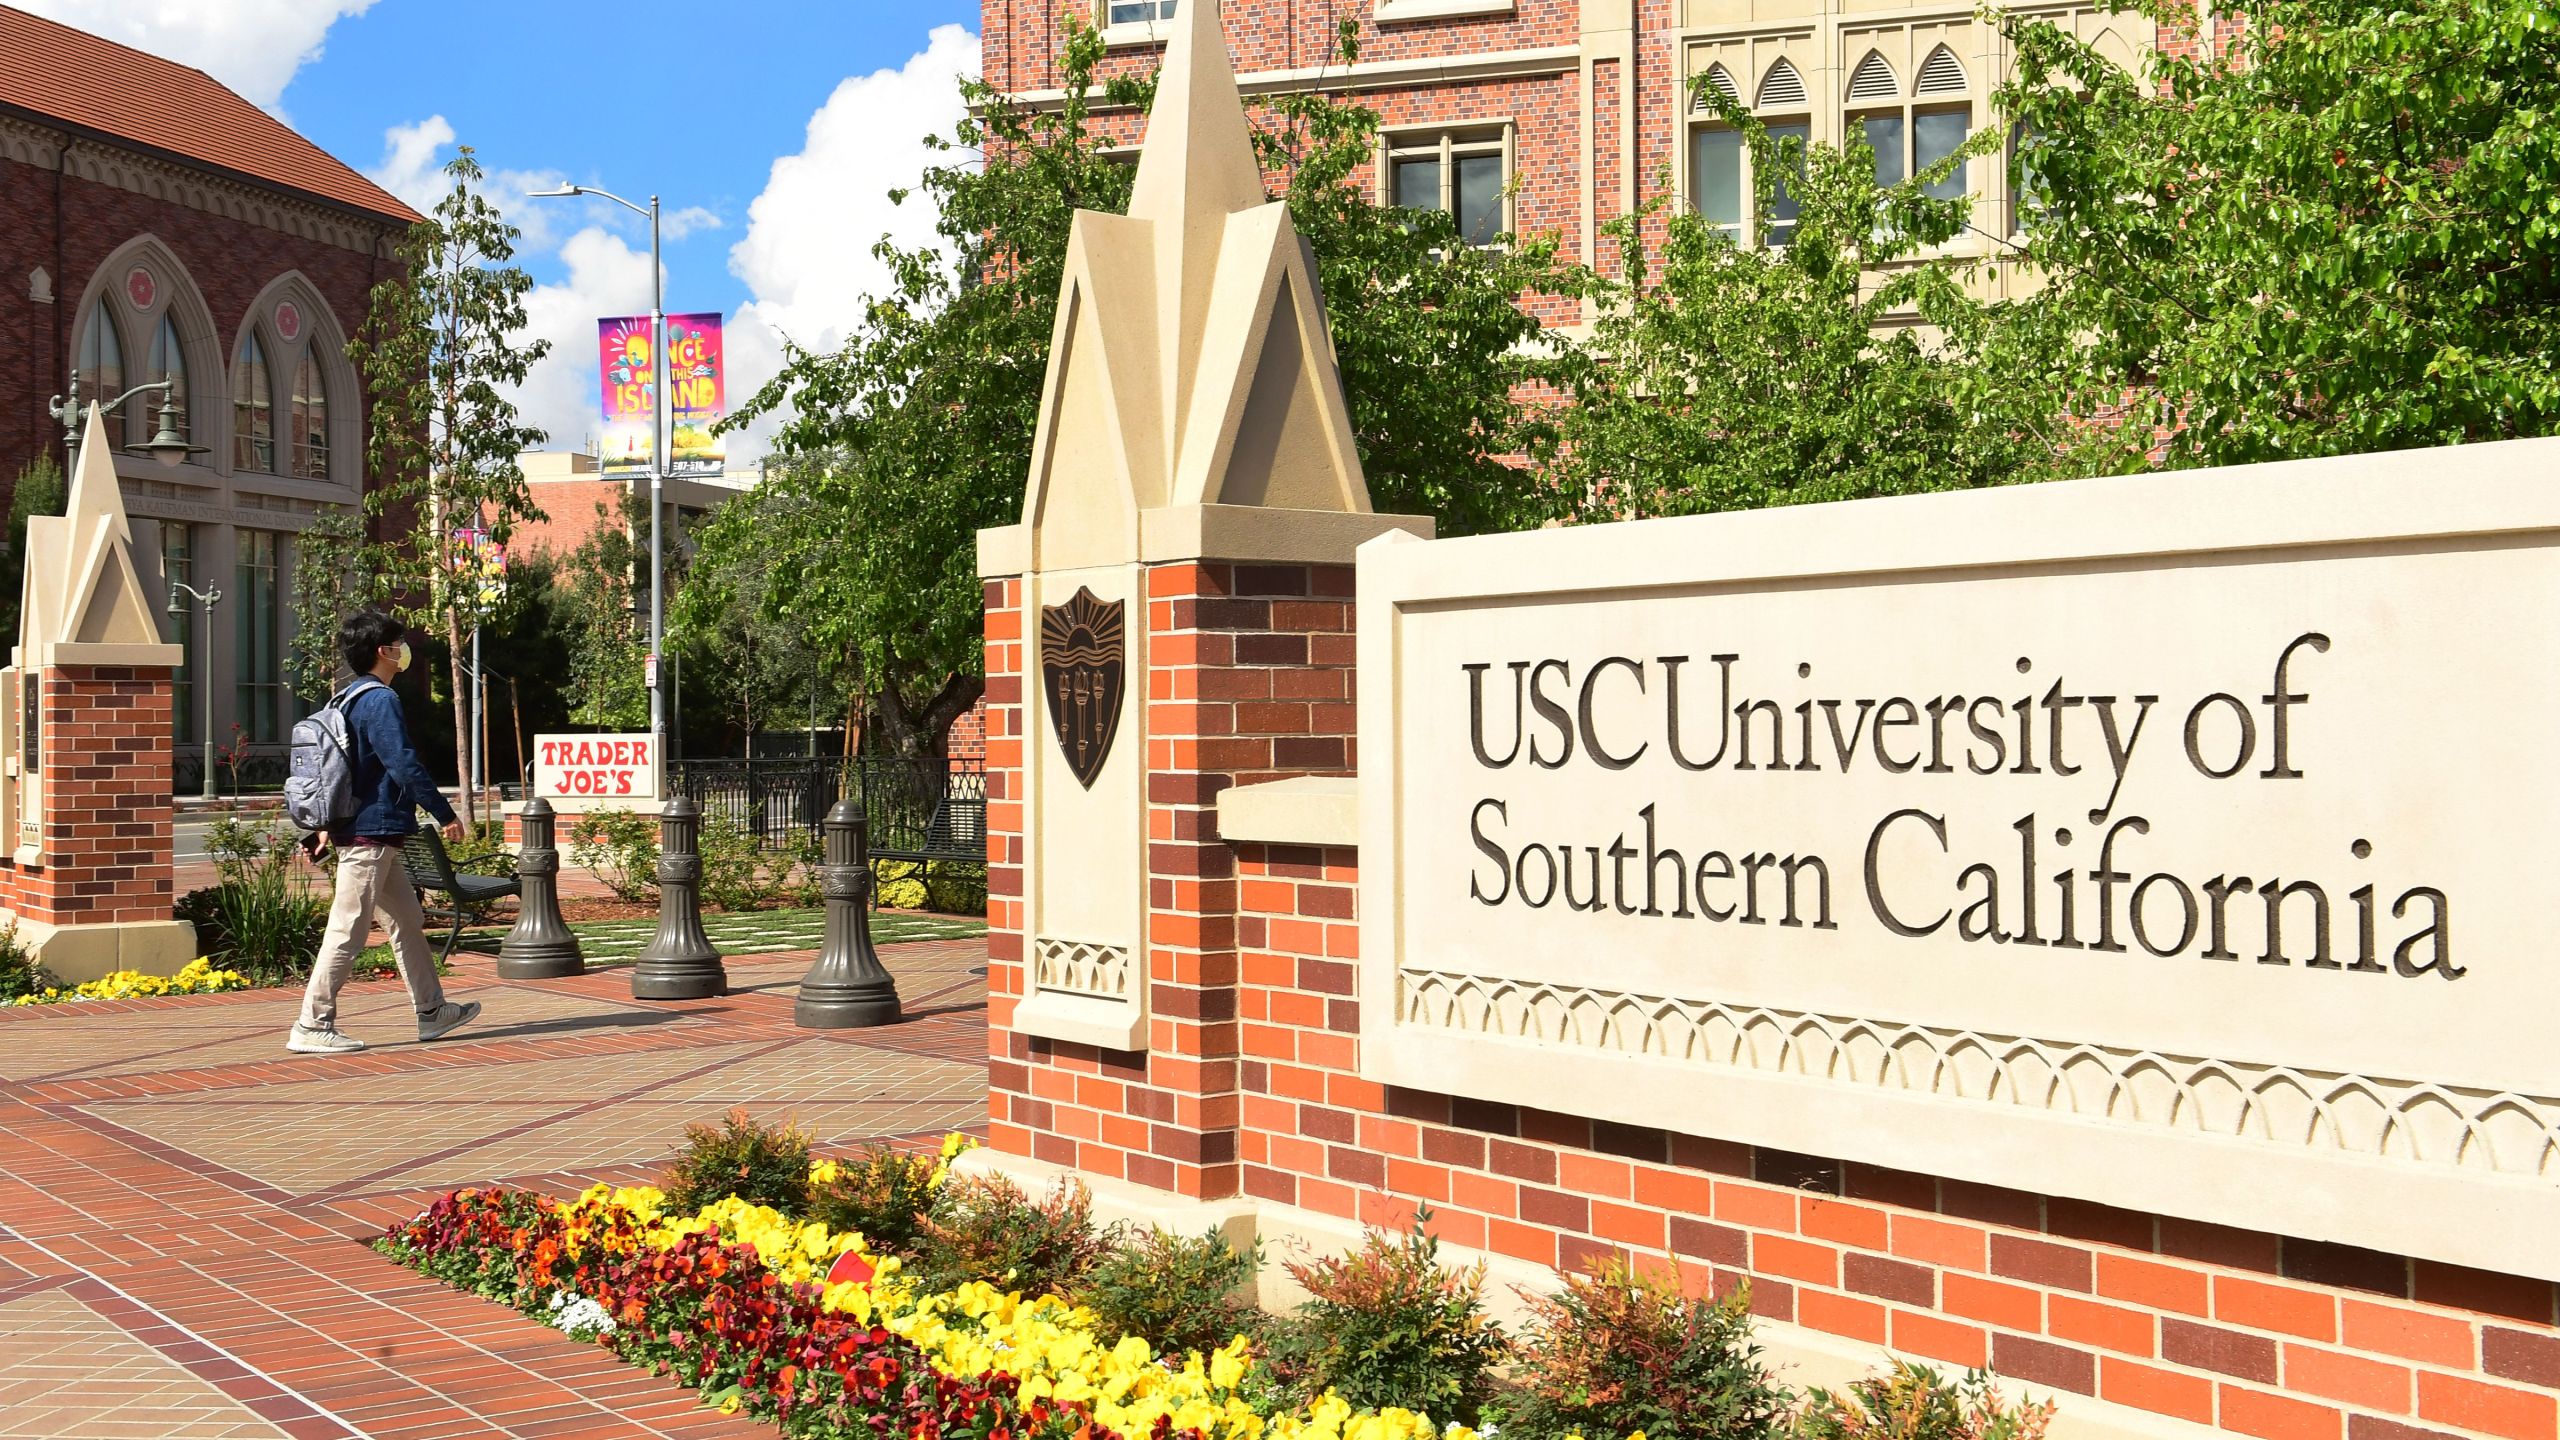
(362,636)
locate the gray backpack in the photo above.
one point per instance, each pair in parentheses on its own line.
(320,785)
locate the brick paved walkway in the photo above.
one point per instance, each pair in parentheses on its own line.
(183,1205)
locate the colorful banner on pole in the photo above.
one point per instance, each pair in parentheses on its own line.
(479,565)
(696,368)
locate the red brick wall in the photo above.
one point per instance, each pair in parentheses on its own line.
(1251,1087)
(229,261)
(106,787)
(569,515)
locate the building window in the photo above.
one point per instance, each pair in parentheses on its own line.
(178,566)
(253,412)
(310,420)
(1720,175)
(260,626)
(1457,172)
(2026,187)
(1137,12)
(101,358)
(168,362)
(1908,135)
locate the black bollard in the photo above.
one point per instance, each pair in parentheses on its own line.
(679,963)
(848,988)
(541,946)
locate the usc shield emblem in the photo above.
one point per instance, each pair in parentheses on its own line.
(1083,658)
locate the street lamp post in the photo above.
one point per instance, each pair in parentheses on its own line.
(659,405)
(208,599)
(167,445)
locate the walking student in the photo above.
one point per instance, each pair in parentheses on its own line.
(390,786)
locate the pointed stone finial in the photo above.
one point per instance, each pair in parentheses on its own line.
(1198,164)
(83,601)
(1197,168)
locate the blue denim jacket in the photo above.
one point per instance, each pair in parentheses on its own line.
(391,783)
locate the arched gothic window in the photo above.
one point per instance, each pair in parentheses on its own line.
(310,435)
(168,362)
(253,416)
(101,357)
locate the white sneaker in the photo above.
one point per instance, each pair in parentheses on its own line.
(445,1019)
(306,1041)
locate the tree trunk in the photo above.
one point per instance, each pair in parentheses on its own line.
(925,731)
(461,712)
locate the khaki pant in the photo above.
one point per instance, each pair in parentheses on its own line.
(370,883)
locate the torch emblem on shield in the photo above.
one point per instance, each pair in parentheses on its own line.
(1083,657)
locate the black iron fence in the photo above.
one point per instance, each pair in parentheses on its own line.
(919,809)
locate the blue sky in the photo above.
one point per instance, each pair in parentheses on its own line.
(773,137)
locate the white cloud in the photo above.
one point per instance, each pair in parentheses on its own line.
(413,158)
(412,167)
(564,394)
(806,254)
(687,220)
(253,46)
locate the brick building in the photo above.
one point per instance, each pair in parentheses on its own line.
(577,498)
(1586,103)
(162,226)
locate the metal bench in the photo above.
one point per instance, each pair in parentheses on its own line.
(446,894)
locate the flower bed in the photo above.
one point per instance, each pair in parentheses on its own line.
(198,978)
(736,1301)
(877,1295)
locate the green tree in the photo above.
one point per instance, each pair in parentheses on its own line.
(40,489)
(1847,361)
(917,432)
(439,351)
(752,650)
(330,578)
(2343,235)
(597,603)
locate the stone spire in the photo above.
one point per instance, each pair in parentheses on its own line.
(83,592)
(1197,169)
(1190,367)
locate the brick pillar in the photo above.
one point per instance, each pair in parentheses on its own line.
(99,897)
(1250,680)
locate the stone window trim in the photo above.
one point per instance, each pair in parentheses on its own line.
(1152,27)
(1494,135)
(1406,12)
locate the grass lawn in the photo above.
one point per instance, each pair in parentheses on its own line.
(756,932)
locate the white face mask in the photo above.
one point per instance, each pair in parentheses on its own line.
(404,655)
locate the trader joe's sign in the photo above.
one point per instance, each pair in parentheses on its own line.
(595,767)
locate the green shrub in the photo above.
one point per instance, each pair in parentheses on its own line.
(1914,1402)
(950,887)
(620,849)
(1620,1351)
(733,867)
(242,844)
(881,1194)
(1388,1324)
(987,1229)
(19,972)
(265,919)
(759,1163)
(1178,1292)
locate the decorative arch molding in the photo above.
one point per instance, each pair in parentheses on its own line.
(1781,87)
(321,336)
(176,295)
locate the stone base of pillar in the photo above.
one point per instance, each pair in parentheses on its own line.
(76,954)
